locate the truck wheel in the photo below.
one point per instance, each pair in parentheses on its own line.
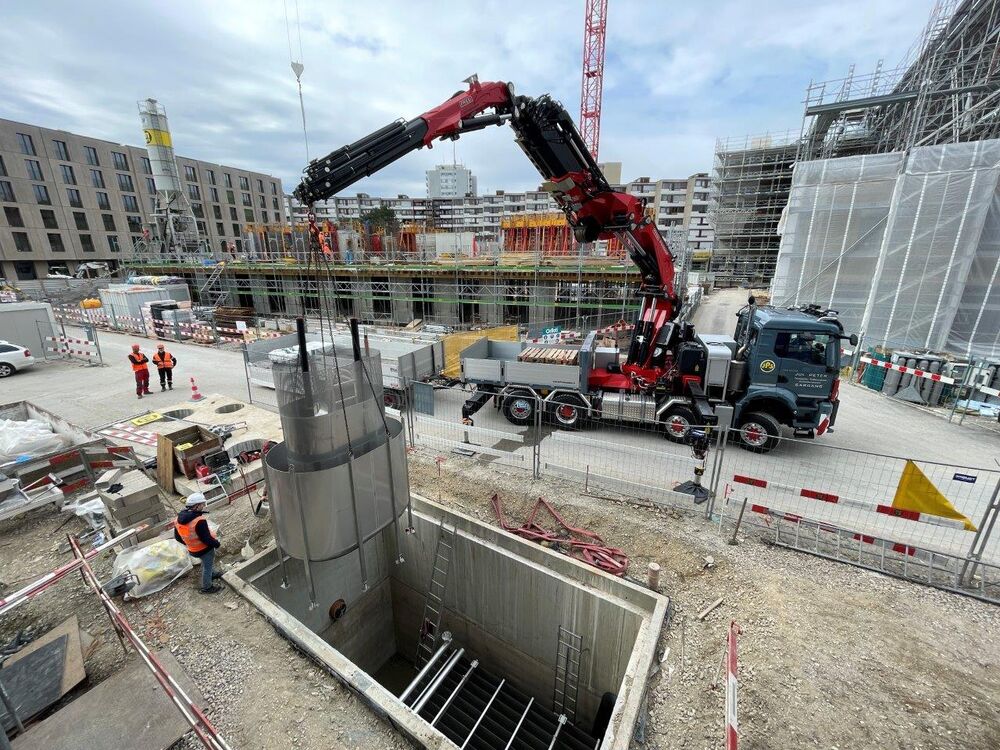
(566,412)
(759,432)
(677,423)
(519,409)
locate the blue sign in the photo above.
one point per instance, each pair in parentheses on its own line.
(968,478)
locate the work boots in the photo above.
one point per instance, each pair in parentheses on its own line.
(170,385)
(163,388)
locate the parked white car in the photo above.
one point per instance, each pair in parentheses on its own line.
(13,358)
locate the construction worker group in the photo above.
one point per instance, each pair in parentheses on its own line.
(165,363)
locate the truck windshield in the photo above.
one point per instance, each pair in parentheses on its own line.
(812,348)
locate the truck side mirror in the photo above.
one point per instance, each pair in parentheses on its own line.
(853,338)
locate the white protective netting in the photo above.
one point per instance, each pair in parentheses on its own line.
(907,247)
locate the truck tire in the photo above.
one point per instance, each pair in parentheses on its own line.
(519,409)
(677,423)
(566,412)
(758,432)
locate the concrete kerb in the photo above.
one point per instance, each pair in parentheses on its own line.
(651,606)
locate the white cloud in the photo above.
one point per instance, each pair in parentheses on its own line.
(677,75)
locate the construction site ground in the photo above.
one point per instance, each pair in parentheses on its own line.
(831,656)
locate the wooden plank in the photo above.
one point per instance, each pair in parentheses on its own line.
(165,462)
(704,613)
(73,672)
(137,714)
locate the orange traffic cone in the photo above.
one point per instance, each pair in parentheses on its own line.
(195,395)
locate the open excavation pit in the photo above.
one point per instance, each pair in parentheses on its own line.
(560,635)
(461,634)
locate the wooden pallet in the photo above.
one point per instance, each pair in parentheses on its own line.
(549,356)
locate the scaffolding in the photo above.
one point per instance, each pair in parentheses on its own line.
(753,175)
(946,90)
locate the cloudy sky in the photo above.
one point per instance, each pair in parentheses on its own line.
(679,73)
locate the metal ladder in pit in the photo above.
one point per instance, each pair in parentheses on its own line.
(567,683)
(430,623)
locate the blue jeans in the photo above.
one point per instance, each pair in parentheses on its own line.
(207,560)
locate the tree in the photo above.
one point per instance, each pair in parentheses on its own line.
(381,217)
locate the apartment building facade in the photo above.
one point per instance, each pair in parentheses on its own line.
(450,181)
(674,203)
(67,199)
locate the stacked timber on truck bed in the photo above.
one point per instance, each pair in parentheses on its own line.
(549,356)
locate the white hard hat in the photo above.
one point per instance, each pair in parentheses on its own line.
(195,498)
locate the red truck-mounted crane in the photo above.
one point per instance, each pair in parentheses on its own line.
(780,369)
(547,135)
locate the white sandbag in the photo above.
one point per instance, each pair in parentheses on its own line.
(28,438)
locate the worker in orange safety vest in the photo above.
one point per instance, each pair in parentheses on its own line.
(140,368)
(165,363)
(192,530)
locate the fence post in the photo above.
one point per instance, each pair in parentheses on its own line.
(958,391)
(983,533)
(713,480)
(246,371)
(215,332)
(177,329)
(92,333)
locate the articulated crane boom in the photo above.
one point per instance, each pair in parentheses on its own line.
(548,137)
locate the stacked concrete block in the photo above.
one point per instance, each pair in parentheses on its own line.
(138,501)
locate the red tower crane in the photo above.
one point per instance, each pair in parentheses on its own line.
(595,24)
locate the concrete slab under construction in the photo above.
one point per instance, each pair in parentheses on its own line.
(506,601)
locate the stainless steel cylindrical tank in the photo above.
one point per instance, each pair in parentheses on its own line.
(340,453)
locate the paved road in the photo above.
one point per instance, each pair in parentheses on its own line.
(717,311)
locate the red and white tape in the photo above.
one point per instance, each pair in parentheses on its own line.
(732,721)
(827,497)
(936,377)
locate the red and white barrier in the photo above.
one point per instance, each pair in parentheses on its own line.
(124,431)
(936,377)
(732,721)
(68,346)
(827,497)
(617,327)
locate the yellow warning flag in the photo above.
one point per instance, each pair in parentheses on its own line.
(918,494)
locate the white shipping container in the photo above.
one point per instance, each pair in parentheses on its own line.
(127,300)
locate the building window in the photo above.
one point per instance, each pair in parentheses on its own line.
(147,168)
(34,169)
(42,195)
(220,228)
(244,183)
(228,179)
(96,178)
(150,186)
(262,200)
(202,229)
(74,197)
(27,145)
(152,205)
(113,244)
(134,223)
(91,154)
(21,242)
(125,183)
(236,230)
(103,202)
(81,220)
(87,242)
(49,219)
(230,197)
(69,178)
(189,174)
(13,216)
(198,210)
(3,168)
(56,244)
(248,214)
(260,186)
(217,211)
(214,194)
(62,152)
(232,214)
(211,176)
(119,160)
(194,192)
(274,203)
(7,192)
(109,223)
(277,218)
(246,199)
(274,188)
(130,203)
